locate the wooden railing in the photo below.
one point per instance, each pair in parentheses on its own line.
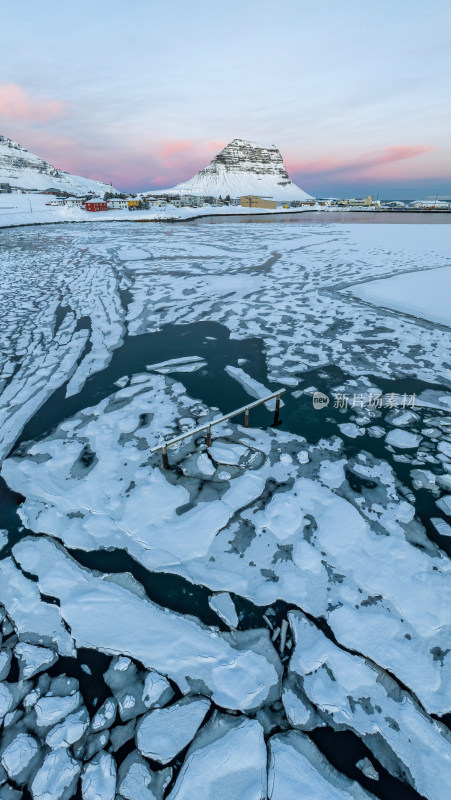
(208,425)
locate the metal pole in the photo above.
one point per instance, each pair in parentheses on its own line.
(276,412)
(209,436)
(246,418)
(165,458)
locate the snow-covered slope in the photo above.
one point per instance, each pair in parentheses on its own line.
(244,168)
(24,170)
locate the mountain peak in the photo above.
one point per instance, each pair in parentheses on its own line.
(243,167)
(23,170)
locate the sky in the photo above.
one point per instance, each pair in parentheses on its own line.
(355,95)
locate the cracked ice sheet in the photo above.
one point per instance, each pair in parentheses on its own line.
(380,595)
(297,302)
(201,274)
(355,694)
(35,621)
(104,615)
(46,288)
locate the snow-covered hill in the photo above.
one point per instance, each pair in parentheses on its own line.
(23,170)
(243,168)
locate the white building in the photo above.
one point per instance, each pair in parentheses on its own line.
(117,202)
(72,201)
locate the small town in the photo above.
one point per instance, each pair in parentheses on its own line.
(121,202)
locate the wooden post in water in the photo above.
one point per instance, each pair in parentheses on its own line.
(164,455)
(276,412)
(246,418)
(209,436)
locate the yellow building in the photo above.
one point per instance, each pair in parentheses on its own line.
(358,201)
(132,203)
(254,201)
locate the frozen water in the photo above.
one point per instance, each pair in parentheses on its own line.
(118,620)
(164,732)
(19,757)
(57,778)
(227,759)
(33,659)
(352,693)
(98,778)
(297,769)
(402,439)
(281,521)
(224,606)
(36,621)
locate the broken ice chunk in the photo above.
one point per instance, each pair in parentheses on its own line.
(138,782)
(351,430)
(298,769)
(164,732)
(402,439)
(57,778)
(252,387)
(223,605)
(70,731)
(50,710)
(365,766)
(98,780)
(33,659)
(444,504)
(441,526)
(157,690)
(227,759)
(6,699)
(20,756)
(35,621)
(105,715)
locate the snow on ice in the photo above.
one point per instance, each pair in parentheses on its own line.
(261,514)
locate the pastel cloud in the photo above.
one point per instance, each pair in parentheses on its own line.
(362,165)
(17,104)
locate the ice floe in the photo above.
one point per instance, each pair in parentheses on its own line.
(104,615)
(352,693)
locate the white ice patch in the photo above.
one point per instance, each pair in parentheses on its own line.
(224,606)
(297,769)
(424,293)
(104,615)
(186,364)
(98,780)
(36,621)
(352,692)
(227,759)
(403,440)
(253,387)
(164,732)
(57,777)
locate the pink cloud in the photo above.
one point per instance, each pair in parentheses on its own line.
(360,166)
(16,104)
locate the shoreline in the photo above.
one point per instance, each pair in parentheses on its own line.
(337,216)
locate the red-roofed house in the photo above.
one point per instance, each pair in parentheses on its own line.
(96,204)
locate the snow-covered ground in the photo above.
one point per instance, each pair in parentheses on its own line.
(270,520)
(34,209)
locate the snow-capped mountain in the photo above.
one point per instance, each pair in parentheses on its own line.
(23,170)
(244,168)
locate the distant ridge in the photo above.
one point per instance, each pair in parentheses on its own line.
(23,170)
(243,168)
